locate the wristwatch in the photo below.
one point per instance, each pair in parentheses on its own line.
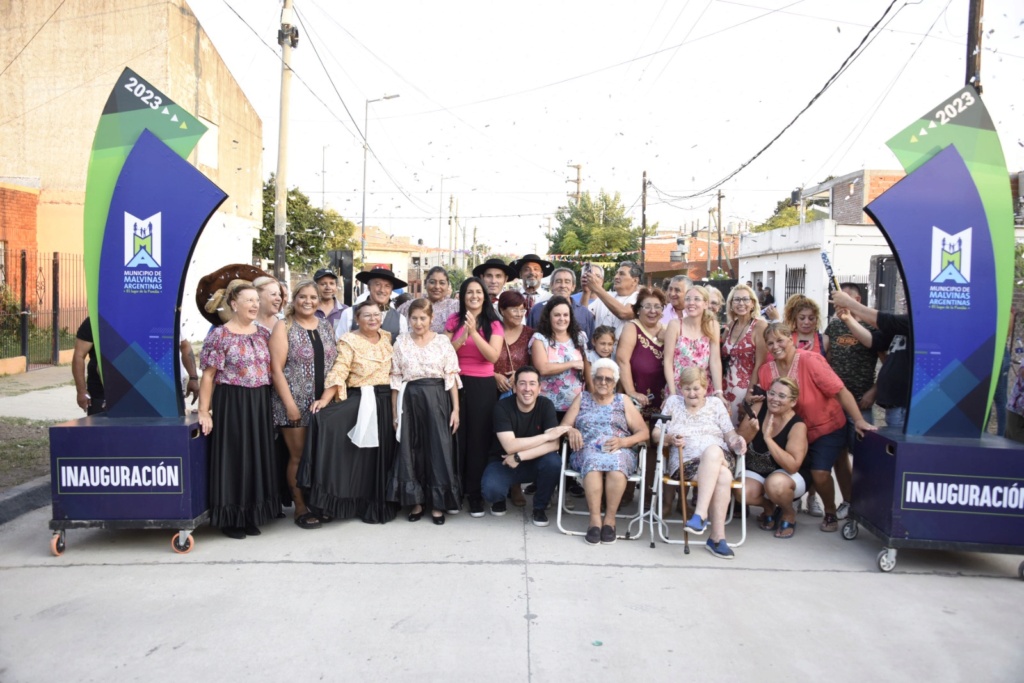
(515,456)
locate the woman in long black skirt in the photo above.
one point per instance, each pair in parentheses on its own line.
(425,394)
(236,385)
(351,443)
(477,335)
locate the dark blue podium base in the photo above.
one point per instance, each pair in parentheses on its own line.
(943,494)
(128,473)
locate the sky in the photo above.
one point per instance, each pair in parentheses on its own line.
(500,99)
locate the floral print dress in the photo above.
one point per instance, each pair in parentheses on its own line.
(598,423)
(691,353)
(564,387)
(742,356)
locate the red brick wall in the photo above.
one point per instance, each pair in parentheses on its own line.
(17,222)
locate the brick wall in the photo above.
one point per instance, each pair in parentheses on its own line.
(18,207)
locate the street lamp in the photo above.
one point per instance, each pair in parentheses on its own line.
(366,147)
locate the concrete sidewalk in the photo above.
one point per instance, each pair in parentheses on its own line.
(496,599)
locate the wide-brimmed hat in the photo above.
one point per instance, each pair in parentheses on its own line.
(495,263)
(380,274)
(546,267)
(212,290)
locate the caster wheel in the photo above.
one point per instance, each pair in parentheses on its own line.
(57,544)
(182,548)
(850,530)
(887,562)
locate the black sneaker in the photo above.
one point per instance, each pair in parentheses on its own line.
(540,518)
(476,506)
(575,490)
(593,536)
(607,535)
(498,509)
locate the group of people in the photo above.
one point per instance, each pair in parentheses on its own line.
(461,402)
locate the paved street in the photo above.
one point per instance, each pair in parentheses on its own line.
(492,598)
(495,599)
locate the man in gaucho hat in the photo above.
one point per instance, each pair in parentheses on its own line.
(532,269)
(494,274)
(380,282)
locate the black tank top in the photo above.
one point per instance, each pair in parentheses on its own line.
(759,458)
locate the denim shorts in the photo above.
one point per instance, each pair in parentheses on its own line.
(822,454)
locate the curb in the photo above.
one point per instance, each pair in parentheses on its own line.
(16,501)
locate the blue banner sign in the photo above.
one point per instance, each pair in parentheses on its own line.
(159,206)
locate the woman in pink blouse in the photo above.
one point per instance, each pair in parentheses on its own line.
(476,334)
(234,410)
(425,387)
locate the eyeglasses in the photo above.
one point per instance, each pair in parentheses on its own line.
(776,395)
(652,307)
(601,379)
(370,316)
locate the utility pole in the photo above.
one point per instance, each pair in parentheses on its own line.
(440,216)
(472,262)
(719,221)
(366,148)
(643,224)
(287,38)
(451,203)
(579,182)
(974,19)
(711,212)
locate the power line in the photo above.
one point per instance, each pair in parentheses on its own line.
(832,79)
(362,134)
(876,106)
(23,47)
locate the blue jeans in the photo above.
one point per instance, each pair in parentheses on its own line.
(543,471)
(896,417)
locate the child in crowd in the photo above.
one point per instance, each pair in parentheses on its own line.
(604,344)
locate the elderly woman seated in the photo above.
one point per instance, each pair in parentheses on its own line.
(778,445)
(606,428)
(701,435)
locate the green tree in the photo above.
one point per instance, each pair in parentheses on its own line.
(311,230)
(596,226)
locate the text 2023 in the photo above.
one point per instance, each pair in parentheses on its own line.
(143,93)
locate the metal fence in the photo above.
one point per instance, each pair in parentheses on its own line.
(42,304)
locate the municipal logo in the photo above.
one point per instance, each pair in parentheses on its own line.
(951,257)
(950,287)
(142,241)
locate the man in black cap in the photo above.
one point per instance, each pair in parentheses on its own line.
(380,282)
(494,274)
(330,308)
(532,269)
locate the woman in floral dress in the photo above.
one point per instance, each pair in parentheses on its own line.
(693,342)
(607,427)
(558,350)
(743,345)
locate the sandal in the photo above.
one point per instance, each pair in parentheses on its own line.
(830,523)
(308,520)
(785,530)
(769,522)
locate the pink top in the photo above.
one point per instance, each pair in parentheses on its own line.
(242,360)
(471,361)
(818,384)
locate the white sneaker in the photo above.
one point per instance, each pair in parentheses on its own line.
(843,511)
(814,508)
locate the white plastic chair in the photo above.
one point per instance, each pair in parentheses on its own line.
(635,518)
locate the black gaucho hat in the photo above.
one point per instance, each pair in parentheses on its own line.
(546,267)
(495,263)
(381,274)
